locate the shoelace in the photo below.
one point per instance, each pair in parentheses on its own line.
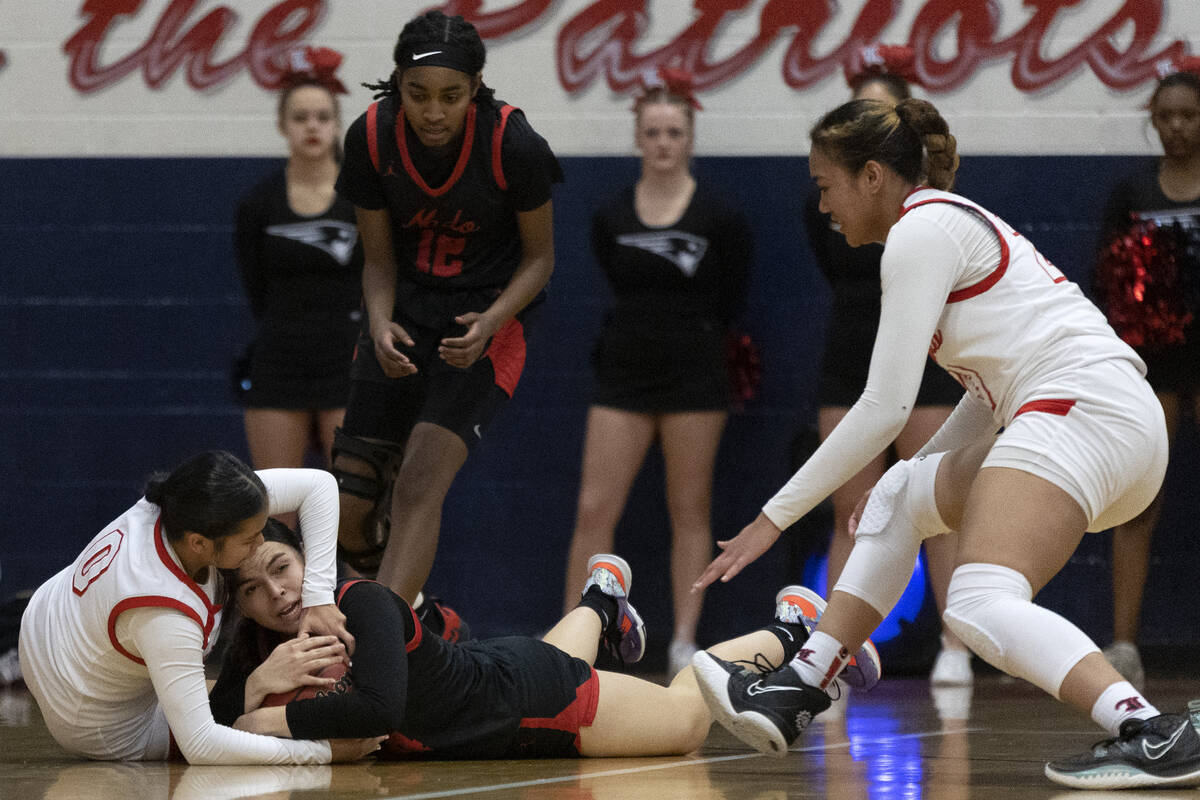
(760,663)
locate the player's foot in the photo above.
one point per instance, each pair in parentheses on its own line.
(625,636)
(1160,751)
(442,619)
(799,604)
(952,667)
(767,712)
(1126,660)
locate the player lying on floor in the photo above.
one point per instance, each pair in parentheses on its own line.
(510,697)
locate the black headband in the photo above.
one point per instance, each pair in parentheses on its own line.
(440,54)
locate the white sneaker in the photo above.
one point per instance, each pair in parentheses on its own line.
(1126,660)
(10,668)
(952,667)
(679,656)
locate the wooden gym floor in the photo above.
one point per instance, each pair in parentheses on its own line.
(897,742)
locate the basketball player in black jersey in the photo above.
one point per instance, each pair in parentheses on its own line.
(452,190)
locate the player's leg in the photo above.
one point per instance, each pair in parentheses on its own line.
(1130,566)
(689,443)
(615,444)
(327,422)
(278,437)
(844,498)
(432,458)
(953,664)
(635,717)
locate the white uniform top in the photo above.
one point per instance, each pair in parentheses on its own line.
(113,646)
(963,286)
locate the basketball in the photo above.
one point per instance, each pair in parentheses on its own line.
(337,671)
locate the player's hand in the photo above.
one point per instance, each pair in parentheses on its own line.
(463,351)
(754,540)
(326,620)
(294,663)
(857,513)
(343,750)
(394,363)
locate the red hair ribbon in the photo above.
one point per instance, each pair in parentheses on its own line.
(314,65)
(883,59)
(675,81)
(1167,66)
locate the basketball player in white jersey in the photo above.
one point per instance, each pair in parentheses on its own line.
(1083,448)
(112,647)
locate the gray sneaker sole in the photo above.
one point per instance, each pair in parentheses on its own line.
(1118,776)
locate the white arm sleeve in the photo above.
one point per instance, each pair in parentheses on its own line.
(970,421)
(919,267)
(313,493)
(172,647)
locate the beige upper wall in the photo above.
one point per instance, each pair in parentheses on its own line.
(755,112)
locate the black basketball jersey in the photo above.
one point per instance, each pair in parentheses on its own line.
(454,223)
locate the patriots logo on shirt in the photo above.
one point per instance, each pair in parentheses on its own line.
(682,249)
(335,238)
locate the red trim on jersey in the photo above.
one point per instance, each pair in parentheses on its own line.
(497,140)
(160,544)
(410,645)
(507,352)
(464,155)
(995,275)
(373,134)
(580,713)
(151,601)
(1059,408)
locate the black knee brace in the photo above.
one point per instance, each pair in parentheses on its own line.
(384,459)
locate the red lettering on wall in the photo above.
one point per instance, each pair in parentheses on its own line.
(173,43)
(601,41)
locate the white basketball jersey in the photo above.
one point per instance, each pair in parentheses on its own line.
(70,627)
(1015,331)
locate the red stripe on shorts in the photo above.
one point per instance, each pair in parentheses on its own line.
(507,352)
(1059,408)
(579,714)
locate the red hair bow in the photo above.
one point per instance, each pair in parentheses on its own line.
(678,82)
(314,65)
(1167,67)
(883,59)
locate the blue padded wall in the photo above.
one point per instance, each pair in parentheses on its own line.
(120,311)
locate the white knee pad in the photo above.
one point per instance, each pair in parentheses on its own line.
(900,513)
(990,608)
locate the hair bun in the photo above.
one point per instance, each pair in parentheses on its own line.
(941,148)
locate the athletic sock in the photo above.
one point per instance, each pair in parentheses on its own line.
(792,635)
(604,606)
(1118,703)
(820,661)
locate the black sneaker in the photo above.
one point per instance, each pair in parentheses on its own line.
(767,712)
(1160,751)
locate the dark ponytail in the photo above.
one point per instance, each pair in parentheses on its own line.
(210,494)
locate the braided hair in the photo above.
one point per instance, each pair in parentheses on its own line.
(911,138)
(434,28)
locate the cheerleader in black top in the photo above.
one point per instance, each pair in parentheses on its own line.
(296,246)
(452,191)
(1165,191)
(853,275)
(512,697)
(678,260)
